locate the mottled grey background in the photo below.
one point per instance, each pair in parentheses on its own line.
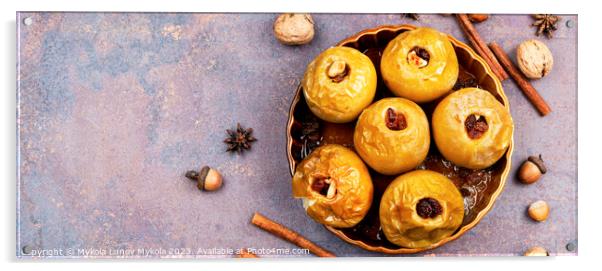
(113,108)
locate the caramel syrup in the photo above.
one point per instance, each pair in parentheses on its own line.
(309,132)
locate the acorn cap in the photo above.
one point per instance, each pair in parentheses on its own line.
(538,161)
(202,176)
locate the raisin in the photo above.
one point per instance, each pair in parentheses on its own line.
(395,121)
(428,208)
(476,127)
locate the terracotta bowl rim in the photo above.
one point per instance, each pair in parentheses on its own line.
(503,176)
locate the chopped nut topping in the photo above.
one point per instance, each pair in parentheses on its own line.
(337,71)
(419,57)
(332,190)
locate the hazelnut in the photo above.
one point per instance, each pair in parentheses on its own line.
(332,190)
(536,251)
(337,71)
(531,170)
(324,185)
(539,210)
(477,18)
(294,29)
(246,253)
(534,59)
(208,179)
(419,57)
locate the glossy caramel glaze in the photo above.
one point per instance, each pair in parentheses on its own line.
(477,187)
(309,132)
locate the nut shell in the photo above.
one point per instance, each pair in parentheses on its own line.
(536,251)
(213,181)
(420,84)
(529,173)
(349,204)
(477,18)
(450,133)
(539,210)
(339,101)
(294,29)
(389,151)
(400,220)
(534,59)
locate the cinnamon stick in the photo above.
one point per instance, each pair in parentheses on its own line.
(285,233)
(522,82)
(480,46)
(245,253)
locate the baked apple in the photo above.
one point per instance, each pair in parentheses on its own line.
(420,65)
(392,135)
(335,186)
(420,208)
(472,128)
(339,84)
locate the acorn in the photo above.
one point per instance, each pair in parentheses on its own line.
(208,179)
(536,251)
(531,170)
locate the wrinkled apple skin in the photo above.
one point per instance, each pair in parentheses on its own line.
(389,151)
(398,216)
(449,131)
(412,82)
(339,102)
(353,182)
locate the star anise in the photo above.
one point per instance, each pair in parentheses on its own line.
(413,16)
(240,139)
(545,23)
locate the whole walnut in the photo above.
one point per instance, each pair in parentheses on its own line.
(294,28)
(534,59)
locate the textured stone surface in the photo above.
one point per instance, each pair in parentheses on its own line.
(115,107)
